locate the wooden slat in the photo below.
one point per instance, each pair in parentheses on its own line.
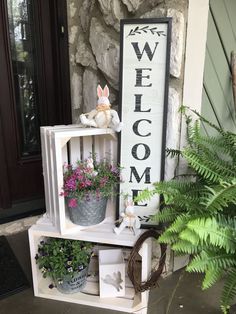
(216,95)
(231,11)
(99,148)
(75,151)
(59,201)
(46,170)
(208,111)
(217,79)
(87,146)
(224,25)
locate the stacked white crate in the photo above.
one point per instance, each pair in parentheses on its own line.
(60,145)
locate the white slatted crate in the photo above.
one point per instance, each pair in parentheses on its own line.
(130,303)
(68,144)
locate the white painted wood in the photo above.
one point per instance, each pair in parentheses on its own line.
(56,154)
(48,168)
(87,147)
(146,253)
(58,183)
(195,56)
(75,150)
(126,304)
(102,233)
(46,171)
(111,273)
(55,223)
(143,108)
(99,148)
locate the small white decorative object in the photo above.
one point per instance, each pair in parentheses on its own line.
(129,219)
(103,116)
(111,273)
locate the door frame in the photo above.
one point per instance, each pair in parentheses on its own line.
(58,95)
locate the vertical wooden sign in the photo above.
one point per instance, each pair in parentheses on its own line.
(144,73)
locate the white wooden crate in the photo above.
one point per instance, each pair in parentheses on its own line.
(68,144)
(130,303)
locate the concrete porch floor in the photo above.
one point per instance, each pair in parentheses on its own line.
(178,293)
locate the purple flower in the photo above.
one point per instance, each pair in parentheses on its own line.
(72,203)
(70,184)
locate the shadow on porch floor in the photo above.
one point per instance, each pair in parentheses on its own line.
(179,293)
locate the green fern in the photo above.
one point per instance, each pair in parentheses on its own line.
(212,233)
(210,260)
(220,197)
(212,275)
(229,290)
(200,209)
(185,247)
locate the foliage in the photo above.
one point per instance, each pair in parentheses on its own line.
(200,211)
(89,177)
(58,257)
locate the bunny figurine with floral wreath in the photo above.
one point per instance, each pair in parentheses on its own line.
(103,116)
(129,219)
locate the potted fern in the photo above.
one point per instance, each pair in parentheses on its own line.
(65,262)
(199,208)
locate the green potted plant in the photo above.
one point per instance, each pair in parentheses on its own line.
(199,207)
(86,188)
(65,262)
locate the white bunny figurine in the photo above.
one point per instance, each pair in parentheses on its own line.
(129,219)
(103,116)
(90,167)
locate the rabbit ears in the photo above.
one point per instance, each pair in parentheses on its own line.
(102,92)
(129,203)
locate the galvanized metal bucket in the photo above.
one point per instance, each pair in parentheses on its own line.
(74,284)
(89,211)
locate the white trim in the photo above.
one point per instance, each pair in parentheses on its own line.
(195,55)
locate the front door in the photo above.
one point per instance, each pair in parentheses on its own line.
(34,91)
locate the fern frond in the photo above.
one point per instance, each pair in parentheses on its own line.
(145,195)
(205,260)
(185,247)
(229,290)
(179,224)
(168,214)
(217,145)
(189,235)
(212,275)
(201,118)
(168,237)
(211,169)
(219,197)
(210,232)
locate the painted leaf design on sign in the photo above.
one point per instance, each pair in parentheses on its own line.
(146,29)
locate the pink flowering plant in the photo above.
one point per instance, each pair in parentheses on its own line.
(89,178)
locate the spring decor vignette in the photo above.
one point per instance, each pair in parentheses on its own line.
(199,206)
(87,187)
(65,262)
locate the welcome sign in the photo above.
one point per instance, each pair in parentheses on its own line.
(144,72)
